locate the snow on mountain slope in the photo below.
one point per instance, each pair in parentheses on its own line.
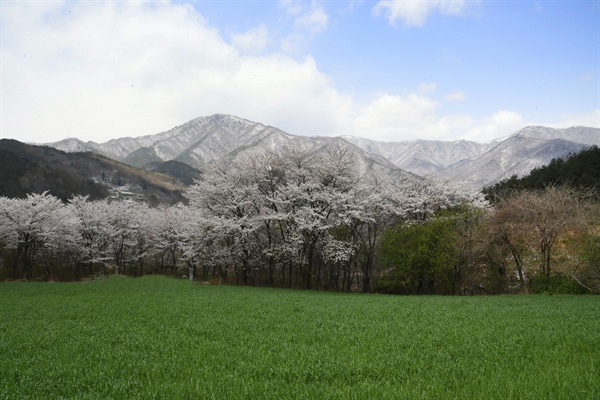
(517,155)
(479,164)
(73,145)
(576,134)
(423,157)
(205,139)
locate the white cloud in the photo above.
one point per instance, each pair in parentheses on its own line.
(428,87)
(455,96)
(590,118)
(292,7)
(102,70)
(309,20)
(415,116)
(293,96)
(97,71)
(395,118)
(500,124)
(253,41)
(314,21)
(415,13)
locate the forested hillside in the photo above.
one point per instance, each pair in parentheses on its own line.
(579,171)
(35,169)
(178,170)
(24,169)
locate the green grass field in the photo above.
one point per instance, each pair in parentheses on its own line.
(162,338)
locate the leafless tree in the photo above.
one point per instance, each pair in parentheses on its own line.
(531,222)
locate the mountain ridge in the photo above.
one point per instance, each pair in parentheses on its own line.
(203,140)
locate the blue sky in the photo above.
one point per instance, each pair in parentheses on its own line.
(386,70)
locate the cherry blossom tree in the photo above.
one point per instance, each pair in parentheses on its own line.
(169,223)
(91,230)
(122,226)
(228,193)
(27,225)
(144,234)
(307,217)
(298,217)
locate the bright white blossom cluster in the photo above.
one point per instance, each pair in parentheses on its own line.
(293,218)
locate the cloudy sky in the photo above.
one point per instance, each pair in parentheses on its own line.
(386,70)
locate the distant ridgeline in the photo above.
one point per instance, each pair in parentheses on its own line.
(35,169)
(579,171)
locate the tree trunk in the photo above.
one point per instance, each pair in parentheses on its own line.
(192,271)
(368,267)
(519,266)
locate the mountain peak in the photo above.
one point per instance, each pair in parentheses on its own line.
(224,120)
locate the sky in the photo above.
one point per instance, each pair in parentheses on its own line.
(384,70)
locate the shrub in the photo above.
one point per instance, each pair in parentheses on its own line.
(556,284)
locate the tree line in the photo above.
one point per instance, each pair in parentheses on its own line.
(545,240)
(312,219)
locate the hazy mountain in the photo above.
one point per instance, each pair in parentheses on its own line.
(28,168)
(206,139)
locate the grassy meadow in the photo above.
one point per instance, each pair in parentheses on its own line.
(161,338)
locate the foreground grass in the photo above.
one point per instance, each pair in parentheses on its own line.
(161,338)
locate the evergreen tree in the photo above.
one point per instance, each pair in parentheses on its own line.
(578,171)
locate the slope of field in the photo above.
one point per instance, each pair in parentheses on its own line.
(157,337)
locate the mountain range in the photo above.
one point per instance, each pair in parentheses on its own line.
(479,164)
(206,139)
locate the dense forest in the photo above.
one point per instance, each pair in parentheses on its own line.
(314,220)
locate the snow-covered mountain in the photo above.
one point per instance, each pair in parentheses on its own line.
(423,157)
(199,140)
(479,164)
(206,139)
(521,152)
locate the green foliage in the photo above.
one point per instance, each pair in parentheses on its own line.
(590,250)
(420,258)
(579,171)
(155,337)
(589,253)
(556,284)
